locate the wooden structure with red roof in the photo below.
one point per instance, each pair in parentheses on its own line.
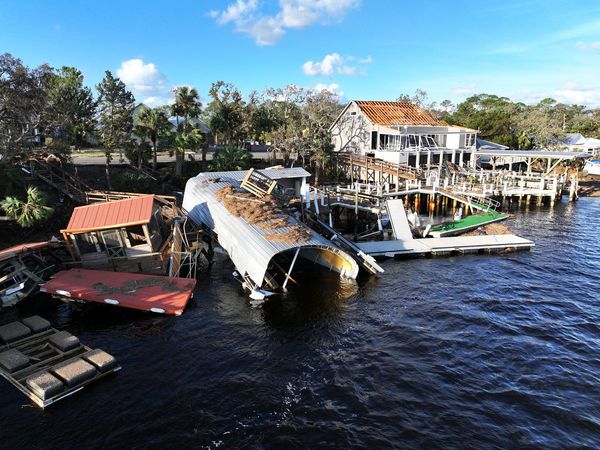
(128,235)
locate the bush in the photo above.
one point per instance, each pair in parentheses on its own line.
(132,182)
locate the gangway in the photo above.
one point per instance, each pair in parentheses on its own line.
(398,219)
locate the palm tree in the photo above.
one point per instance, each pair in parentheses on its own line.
(189,138)
(30,212)
(187,105)
(153,124)
(231,158)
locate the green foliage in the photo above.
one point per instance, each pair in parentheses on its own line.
(497,118)
(22,97)
(30,212)
(152,124)
(226,113)
(70,107)
(138,152)
(187,105)
(132,182)
(231,158)
(115,108)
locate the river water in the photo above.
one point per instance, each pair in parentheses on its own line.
(471,351)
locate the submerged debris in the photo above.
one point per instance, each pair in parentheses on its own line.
(265,213)
(131,286)
(491,228)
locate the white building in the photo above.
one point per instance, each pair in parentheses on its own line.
(576,142)
(401,133)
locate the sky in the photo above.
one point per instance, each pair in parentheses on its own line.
(360,49)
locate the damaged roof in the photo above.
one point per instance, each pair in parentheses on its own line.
(397,113)
(107,215)
(247,244)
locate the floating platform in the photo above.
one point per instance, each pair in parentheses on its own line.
(157,294)
(446,245)
(49,365)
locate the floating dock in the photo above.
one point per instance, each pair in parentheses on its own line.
(49,365)
(446,245)
(157,294)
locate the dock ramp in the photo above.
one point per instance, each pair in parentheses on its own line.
(398,219)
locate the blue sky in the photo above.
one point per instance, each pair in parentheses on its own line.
(362,49)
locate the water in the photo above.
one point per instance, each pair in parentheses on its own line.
(475,351)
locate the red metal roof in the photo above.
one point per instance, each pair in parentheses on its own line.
(107,215)
(166,295)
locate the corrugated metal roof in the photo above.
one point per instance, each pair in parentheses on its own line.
(273,174)
(245,243)
(397,113)
(116,214)
(533,154)
(167,295)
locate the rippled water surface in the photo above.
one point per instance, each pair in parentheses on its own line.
(474,351)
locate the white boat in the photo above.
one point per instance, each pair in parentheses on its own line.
(592,167)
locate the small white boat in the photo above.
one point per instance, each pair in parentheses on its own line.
(592,167)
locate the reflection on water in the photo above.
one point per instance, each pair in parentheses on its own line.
(475,351)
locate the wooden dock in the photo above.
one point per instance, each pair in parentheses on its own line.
(446,245)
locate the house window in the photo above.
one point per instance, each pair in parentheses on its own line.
(353,113)
(373,140)
(469,139)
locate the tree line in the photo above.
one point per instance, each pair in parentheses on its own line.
(514,124)
(56,105)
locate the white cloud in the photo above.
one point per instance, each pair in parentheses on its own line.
(335,64)
(569,93)
(145,81)
(588,45)
(267,29)
(464,90)
(581,95)
(332,87)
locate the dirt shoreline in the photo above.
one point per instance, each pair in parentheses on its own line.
(589,186)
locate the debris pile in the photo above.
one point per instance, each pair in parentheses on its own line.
(489,229)
(265,213)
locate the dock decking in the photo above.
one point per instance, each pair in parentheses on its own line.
(445,245)
(158,294)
